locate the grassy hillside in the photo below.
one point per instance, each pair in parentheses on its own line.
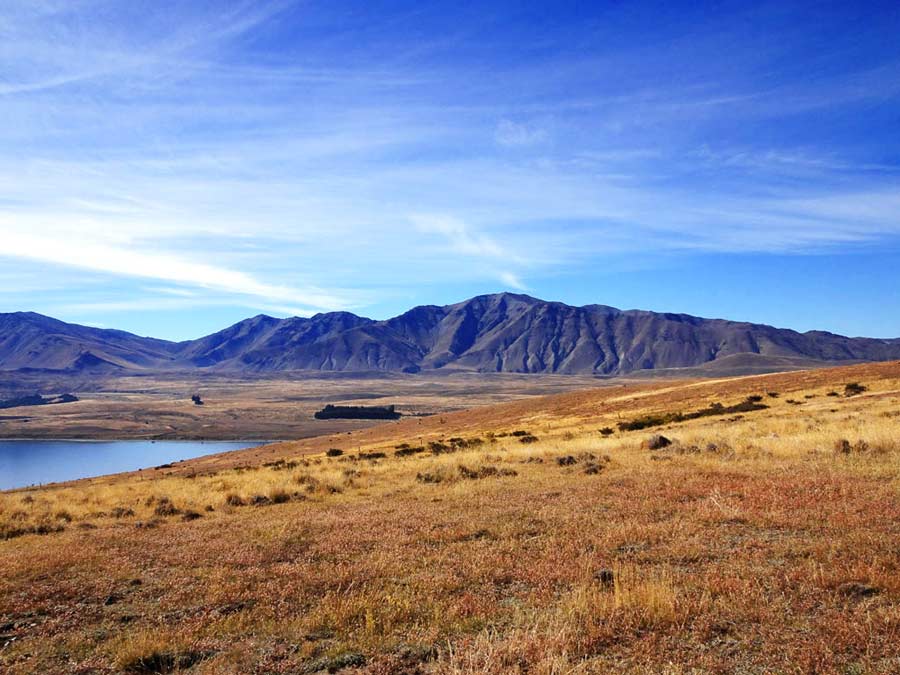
(535,536)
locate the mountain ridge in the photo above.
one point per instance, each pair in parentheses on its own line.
(503,332)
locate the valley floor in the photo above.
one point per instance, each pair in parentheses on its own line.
(159,406)
(538,536)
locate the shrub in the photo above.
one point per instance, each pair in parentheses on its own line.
(279,496)
(607,431)
(438,448)
(190,515)
(407,451)
(484,472)
(233,499)
(528,438)
(520,433)
(426,477)
(280,465)
(165,507)
(334,452)
(854,388)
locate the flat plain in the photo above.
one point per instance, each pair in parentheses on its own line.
(280,407)
(736,525)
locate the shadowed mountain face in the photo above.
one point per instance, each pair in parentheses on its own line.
(489,333)
(29,340)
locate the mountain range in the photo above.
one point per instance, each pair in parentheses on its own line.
(503,332)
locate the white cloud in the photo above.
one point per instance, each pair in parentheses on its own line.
(160,265)
(459,235)
(151,304)
(512,281)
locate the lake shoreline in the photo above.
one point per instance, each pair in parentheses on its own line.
(38,463)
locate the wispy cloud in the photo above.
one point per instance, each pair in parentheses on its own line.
(516,134)
(459,236)
(155,265)
(512,281)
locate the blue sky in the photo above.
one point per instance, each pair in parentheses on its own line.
(169,168)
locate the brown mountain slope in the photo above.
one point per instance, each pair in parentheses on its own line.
(490,333)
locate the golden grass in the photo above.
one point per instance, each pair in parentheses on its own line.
(748,545)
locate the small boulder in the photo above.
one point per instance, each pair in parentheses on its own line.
(656,442)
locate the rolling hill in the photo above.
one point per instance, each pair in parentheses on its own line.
(490,333)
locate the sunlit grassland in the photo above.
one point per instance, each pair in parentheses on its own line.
(752,543)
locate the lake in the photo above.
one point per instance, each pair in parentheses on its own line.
(24,463)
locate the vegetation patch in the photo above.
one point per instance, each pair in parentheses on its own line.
(407,451)
(333,664)
(854,389)
(164,662)
(486,471)
(749,404)
(165,507)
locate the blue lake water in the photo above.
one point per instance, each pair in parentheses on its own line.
(24,463)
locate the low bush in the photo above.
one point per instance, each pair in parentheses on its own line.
(233,499)
(279,496)
(165,507)
(438,448)
(854,389)
(486,471)
(407,451)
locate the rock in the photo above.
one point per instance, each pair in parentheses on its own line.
(656,442)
